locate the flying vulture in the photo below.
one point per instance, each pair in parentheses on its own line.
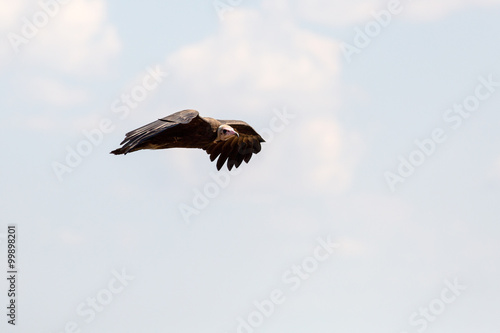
(233,141)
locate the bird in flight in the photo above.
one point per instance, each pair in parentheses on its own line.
(233,141)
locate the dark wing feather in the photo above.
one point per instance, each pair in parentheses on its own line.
(237,149)
(214,150)
(247,157)
(160,132)
(232,159)
(227,148)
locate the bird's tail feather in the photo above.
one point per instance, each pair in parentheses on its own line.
(119,151)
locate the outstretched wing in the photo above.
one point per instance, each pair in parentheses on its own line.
(238,148)
(164,132)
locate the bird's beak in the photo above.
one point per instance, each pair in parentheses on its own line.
(232,131)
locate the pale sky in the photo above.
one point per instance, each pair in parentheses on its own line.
(372,207)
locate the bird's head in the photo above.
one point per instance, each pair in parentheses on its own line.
(225,132)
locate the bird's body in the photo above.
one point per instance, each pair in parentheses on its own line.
(233,141)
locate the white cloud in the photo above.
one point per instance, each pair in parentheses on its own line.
(251,57)
(76,39)
(9,12)
(331,155)
(56,93)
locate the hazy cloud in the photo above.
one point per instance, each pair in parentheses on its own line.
(76,39)
(340,13)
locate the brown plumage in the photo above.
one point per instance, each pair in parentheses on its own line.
(233,141)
